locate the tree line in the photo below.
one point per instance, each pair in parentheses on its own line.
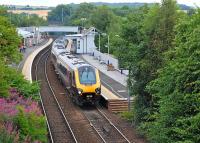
(23,19)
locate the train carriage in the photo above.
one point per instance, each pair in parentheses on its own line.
(80,78)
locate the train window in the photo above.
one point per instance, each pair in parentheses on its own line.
(87,75)
(73,79)
(54,57)
(70,78)
(63,69)
(78,45)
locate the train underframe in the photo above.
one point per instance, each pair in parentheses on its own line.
(86,98)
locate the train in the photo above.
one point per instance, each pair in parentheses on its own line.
(80,78)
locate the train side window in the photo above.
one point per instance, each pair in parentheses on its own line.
(78,45)
(63,69)
(54,57)
(73,79)
(70,78)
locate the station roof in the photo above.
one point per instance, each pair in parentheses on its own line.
(24,34)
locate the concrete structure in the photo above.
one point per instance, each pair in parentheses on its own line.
(115,75)
(83,43)
(67,29)
(27,67)
(27,52)
(33,35)
(71,29)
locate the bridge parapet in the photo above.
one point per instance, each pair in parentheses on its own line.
(74,29)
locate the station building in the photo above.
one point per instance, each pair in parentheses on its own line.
(83,43)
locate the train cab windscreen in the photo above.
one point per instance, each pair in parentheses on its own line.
(87,75)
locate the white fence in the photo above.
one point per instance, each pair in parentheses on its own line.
(108,59)
(105,58)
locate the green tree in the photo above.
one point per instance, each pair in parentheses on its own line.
(9,53)
(9,42)
(148,34)
(60,14)
(3,84)
(102,18)
(178,88)
(82,14)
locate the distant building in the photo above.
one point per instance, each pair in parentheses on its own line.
(41,13)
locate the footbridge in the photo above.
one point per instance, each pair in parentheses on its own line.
(67,29)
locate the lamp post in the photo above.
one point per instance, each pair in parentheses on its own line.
(99,42)
(108,45)
(62,16)
(129,93)
(83,21)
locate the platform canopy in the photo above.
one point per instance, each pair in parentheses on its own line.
(24,34)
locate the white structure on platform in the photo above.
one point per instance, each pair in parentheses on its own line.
(31,35)
(24,34)
(83,43)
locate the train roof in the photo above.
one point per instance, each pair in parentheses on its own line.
(56,51)
(61,42)
(72,61)
(65,57)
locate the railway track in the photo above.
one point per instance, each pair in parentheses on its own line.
(67,122)
(104,127)
(59,128)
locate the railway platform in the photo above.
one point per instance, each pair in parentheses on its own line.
(114,87)
(27,52)
(26,64)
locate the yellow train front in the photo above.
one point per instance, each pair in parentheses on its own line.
(86,87)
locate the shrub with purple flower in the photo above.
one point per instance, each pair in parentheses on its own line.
(8,106)
(21,115)
(8,132)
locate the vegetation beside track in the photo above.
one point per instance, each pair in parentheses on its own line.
(21,118)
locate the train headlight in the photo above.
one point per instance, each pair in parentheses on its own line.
(98,90)
(80,91)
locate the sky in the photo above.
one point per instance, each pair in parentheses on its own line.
(56,2)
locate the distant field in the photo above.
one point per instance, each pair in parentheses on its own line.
(40,13)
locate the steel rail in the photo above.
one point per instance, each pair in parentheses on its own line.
(71,131)
(112,124)
(43,108)
(91,124)
(109,121)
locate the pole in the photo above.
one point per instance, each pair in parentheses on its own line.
(129,106)
(108,44)
(99,43)
(62,15)
(24,42)
(10,17)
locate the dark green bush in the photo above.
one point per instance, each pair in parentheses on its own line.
(12,78)
(5,137)
(31,126)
